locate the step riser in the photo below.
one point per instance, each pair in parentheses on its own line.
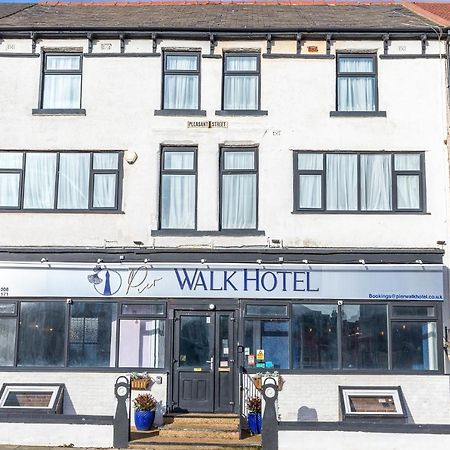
(191,447)
(198,434)
(207,423)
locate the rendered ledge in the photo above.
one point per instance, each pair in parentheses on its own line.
(121,55)
(410,56)
(357,113)
(179,112)
(189,233)
(212,56)
(9,417)
(366,427)
(296,56)
(58,112)
(19,55)
(238,113)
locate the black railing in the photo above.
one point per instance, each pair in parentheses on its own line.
(248,389)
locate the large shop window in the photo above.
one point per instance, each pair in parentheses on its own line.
(181,81)
(61,82)
(82,334)
(358,182)
(239,184)
(43,181)
(321,337)
(92,334)
(41,334)
(241,78)
(357,83)
(178,188)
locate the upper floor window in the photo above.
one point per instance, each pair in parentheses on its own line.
(241,81)
(178,188)
(61,81)
(59,180)
(356,82)
(239,181)
(358,182)
(181,80)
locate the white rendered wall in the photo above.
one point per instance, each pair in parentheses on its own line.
(120,96)
(316,397)
(345,440)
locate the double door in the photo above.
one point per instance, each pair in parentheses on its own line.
(203,364)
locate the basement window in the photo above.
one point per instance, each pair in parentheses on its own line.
(32,397)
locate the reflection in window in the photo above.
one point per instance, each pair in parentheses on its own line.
(414,345)
(195,340)
(141,343)
(270,336)
(92,334)
(314,336)
(7,341)
(43,325)
(364,337)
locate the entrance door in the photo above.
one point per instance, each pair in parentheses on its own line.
(203,361)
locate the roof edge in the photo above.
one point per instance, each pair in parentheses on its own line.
(426,14)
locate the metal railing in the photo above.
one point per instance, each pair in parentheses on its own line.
(248,389)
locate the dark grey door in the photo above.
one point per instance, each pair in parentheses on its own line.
(203,361)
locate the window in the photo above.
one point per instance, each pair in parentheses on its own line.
(92,334)
(239,172)
(314,336)
(178,188)
(59,180)
(241,81)
(42,324)
(271,336)
(358,182)
(364,337)
(61,86)
(7,340)
(356,82)
(181,81)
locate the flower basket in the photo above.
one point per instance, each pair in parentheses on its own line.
(139,383)
(257,382)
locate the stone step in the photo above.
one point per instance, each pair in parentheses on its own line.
(199,431)
(183,446)
(214,422)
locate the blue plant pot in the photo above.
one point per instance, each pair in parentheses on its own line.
(143,420)
(254,422)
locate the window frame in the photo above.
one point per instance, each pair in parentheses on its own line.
(45,71)
(92,172)
(222,150)
(166,71)
(373,74)
(163,171)
(323,173)
(226,73)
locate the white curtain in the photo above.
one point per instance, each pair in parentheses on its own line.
(342,182)
(104,190)
(9,189)
(62,62)
(239,160)
(356,93)
(179,160)
(73,184)
(408,161)
(106,161)
(11,160)
(241,63)
(310,161)
(376,187)
(241,92)
(239,201)
(310,191)
(178,201)
(408,192)
(181,90)
(40,173)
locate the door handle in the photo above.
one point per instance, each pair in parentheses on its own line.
(211,363)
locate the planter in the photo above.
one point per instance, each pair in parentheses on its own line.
(254,422)
(139,384)
(257,381)
(143,420)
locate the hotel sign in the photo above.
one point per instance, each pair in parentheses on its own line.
(346,282)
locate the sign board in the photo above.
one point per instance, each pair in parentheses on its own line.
(347,282)
(260,355)
(207,124)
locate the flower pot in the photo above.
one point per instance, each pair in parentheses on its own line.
(139,384)
(143,420)
(254,422)
(257,381)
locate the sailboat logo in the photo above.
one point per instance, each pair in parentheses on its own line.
(106,282)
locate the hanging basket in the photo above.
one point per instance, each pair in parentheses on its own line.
(258,382)
(139,384)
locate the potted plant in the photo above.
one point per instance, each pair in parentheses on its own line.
(257,381)
(254,414)
(140,381)
(144,413)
